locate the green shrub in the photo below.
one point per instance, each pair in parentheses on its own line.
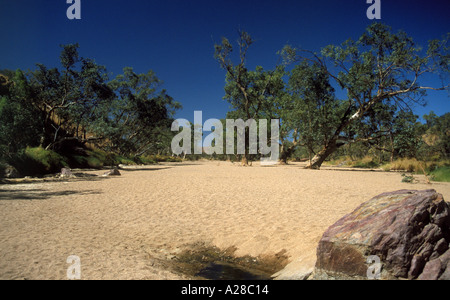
(145,160)
(78,161)
(367,162)
(441,174)
(346,161)
(340,161)
(38,161)
(407,179)
(96,158)
(94,162)
(49,159)
(122,160)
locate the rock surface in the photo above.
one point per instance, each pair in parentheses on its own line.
(299,269)
(409,231)
(66,173)
(11,172)
(112,172)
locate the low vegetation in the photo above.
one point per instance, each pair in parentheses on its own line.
(441,174)
(435,170)
(38,161)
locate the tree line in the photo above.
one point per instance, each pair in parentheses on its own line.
(77,105)
(380,74)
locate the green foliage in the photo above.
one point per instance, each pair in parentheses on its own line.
(126,115)
(38,161)
(69,98)
(121,160)
(366,163)
(97,158)
(436,137)
(94,162)
(162,158)
(62,109)
(19,124)
(128,118)
(313,111)
(78,161)
(2,169)
(407,140)
(441,174)
(407,179)
(380,72)
(49,159)
(139,116)
(257,94)
(146,160)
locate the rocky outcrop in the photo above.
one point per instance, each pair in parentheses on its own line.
(408,231)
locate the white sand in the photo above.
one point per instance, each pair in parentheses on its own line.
(124,227)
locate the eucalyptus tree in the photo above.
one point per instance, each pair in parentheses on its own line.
(313,109)
(68,97)
(380,67)
(252,94)
(20,121)
(139,115)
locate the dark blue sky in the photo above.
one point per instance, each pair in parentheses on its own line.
(175,38)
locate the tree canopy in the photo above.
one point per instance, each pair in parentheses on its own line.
(379,71)
(77,105)
(380,74)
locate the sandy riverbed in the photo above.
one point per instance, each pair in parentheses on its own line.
(127,227)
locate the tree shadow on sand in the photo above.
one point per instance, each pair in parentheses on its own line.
(13,189)
(39,194)
(131,169)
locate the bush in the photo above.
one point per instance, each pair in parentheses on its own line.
(411,165)
(52,161)
(415,166)
(121,160)
(346,161)
(340,161)
(441,174)
(94,162)
(38,161)
(367,162)
(407,179)
(78,161)
(2,169)
(19,126)
(145,160)
(97,158)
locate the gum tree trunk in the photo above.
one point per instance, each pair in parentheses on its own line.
(285,153)
(317,161)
